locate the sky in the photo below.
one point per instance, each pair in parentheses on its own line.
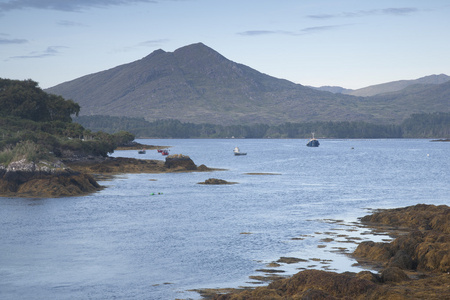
(347,43)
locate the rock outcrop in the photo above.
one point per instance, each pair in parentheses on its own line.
(76,175)
(425,248)
(117,165)
(216,181)
(180,162)
(44,179)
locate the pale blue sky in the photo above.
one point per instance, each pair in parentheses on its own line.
(348,43)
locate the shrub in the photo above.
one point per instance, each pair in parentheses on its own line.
(6,156)
(30,151)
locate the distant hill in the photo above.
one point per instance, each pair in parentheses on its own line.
(197,84)
(333,89)
(396,86)
(387,87)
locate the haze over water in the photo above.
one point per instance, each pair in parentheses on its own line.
(157,236)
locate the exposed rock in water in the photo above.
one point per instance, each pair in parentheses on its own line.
(179,161)
(290,260)
(216,181)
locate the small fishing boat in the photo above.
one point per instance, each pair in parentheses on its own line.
(141,151)
(238,152)
(313,142)
(165,152)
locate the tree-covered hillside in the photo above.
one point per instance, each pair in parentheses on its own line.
(433,125)
(35,125)
(25,100)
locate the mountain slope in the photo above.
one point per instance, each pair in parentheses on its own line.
(196,84)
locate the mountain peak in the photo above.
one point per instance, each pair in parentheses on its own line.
(197,50)
(192,52)
(192,47)
(156,53)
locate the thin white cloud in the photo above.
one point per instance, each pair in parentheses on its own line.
(67,23)
(396,11)
(153,43)
(401,11)
(149,43)
(265,32)
(319,28)
(50,51)
(12,41)
(65,5)
(257,32)
(307,30)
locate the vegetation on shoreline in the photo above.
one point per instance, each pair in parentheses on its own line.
(38,126)
(44,154)
(426,125)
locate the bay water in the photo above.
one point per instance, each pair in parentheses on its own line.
(162,236)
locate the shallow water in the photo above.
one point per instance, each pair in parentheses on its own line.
(124,242)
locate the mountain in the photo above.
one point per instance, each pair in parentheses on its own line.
(399,85)
(197,84)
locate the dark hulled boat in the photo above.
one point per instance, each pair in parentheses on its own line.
(313,142)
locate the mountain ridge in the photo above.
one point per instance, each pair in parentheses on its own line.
(197,84)
(387,87)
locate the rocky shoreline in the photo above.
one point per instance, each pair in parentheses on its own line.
(45,179)
(77,176)
(415,265)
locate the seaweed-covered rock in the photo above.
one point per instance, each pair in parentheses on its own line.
(310,284)
(215,181)
(393,274)
(425,248)
(378,252)
(179,161)
(402,260)
(367,275)
(44,179)
(420,216)
(58,186)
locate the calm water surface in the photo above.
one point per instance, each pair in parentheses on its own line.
(126,243)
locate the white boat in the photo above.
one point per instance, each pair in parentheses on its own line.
(238,152)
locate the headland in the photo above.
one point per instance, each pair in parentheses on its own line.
(75,176)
